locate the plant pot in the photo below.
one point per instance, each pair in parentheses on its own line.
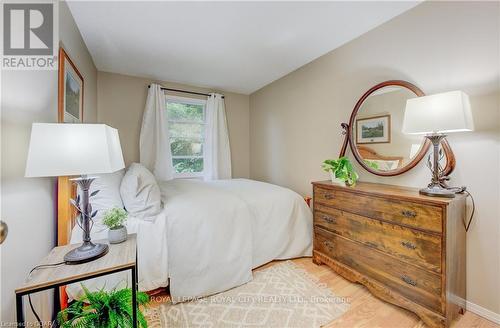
(117,235)
(336,181)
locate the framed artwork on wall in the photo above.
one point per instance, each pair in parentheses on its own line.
(375,129)
(70,90)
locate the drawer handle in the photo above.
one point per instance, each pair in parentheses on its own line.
(328,219)
(408,214)
(328,245)
(328,195)
(408,245)
(409,281)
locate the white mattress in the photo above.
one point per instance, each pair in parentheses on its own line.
(210,235)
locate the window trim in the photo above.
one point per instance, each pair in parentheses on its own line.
(189,101)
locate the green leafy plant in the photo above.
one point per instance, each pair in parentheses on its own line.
(342,169)
(115,218)
(103,309)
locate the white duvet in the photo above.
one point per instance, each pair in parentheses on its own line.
(210,236)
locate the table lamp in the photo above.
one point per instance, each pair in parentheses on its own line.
(434,116)
(60,149)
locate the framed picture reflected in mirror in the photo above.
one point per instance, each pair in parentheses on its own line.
(375,129)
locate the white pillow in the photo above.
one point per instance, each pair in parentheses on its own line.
(140,193)
(386,165)
(108,195)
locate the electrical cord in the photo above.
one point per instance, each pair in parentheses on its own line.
(34,312)
(460,190)
(41,266)
(467,226)
(29,295)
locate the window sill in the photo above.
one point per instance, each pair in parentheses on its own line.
(188,176)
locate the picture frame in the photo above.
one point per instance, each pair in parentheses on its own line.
(373,130)
(70,90)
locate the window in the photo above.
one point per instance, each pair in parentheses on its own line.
(186,121)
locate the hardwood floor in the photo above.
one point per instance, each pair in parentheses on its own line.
(367,310)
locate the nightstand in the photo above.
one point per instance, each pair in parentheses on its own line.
(121,257)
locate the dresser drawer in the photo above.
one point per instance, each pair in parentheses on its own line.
(412,246)
(426,217)
(416,284)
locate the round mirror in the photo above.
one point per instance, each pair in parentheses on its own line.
(375,131)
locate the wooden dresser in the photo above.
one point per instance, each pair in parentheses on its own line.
(407,249)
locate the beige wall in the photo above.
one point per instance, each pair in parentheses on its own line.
(28,204)
(121,100)
(439,46)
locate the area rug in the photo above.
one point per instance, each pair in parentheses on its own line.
(283,295)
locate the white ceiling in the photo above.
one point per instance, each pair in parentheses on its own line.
(232,46)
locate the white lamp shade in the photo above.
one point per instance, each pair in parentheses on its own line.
(439,113)
(61,149)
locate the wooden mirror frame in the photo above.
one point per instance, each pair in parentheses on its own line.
(347,131)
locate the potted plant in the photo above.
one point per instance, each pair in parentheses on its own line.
(341,171)
(103,309)
(114,220)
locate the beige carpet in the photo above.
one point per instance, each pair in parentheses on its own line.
(283,295)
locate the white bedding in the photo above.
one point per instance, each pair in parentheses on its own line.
(152,257)
(210,235)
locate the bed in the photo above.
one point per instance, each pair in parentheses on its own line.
(209,236)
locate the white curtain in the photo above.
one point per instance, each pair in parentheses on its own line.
(217,152)
(154,143)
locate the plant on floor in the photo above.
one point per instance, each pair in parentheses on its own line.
(115,218)
(102,309)
(341,169)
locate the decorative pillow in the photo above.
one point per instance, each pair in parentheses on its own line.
(140,193)
(108,195)
(385,165)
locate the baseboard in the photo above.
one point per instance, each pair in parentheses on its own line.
(485,313)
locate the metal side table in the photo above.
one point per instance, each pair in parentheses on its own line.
(121,257)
